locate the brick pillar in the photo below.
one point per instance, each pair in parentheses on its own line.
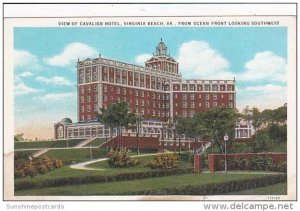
(197,163)
(211,163)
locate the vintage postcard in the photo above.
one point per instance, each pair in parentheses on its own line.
(150,102)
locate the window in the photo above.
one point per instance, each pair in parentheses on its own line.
(207,87)
(153,113)
(153,96)
(136,102)
(192,105)
(175,95)
(215,88)
(82,108)
(88,89)
(95,88)
(124,73)
(215,104)
(88,108)
(207,97)
(192,87)
(167,97)
(118,90)
(215,96)
(192,96)
(230,104)
(207,104)
(104,88)
(199,96)
(167,105)
(142,93)
(230,88)
(88,99)
(95,98)
(124,81)
(124,91)
(192,113)
(104,98)
(89,118)
(184,97)
(222,96)
(230,96)
(136,92)
(184,105)
(199,88)
(95,107)
(82,99)
(184,113)
(200,105)
(153,104)
(142,103)
(184,87)
(82,118)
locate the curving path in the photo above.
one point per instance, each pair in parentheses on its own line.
(82,165)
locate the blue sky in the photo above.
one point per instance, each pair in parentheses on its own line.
(45,59)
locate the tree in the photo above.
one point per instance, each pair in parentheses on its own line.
(119,116)
(219,121)
(19,137)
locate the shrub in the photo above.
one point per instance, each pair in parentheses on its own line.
(216,188)
(164,161)
(121,159)
(259,163)
(36,165)
(23,185)
(30,169)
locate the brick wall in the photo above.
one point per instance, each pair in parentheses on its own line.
(213,158)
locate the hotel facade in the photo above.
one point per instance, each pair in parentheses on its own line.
(156,91)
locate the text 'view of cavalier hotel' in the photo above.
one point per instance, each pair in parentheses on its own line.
(156,92)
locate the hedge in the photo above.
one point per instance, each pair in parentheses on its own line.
(23,185)
(215,188)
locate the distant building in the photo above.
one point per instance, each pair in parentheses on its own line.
(156,91)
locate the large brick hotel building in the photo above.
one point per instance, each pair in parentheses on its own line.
(156,91)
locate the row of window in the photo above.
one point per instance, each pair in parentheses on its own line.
(137,93)
(192,96)
(88,108)
(192,87)
(89,89)
(88,99)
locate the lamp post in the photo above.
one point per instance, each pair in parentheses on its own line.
(226,139)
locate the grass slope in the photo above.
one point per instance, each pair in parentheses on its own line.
(47,144)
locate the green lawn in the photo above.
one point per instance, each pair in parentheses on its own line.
(119,188)
(143,160)
(24,154)
(97,142)
(67,172)
(47,144)
(277,189)
(75,155)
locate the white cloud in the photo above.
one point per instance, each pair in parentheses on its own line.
(197,59)
(141,59)
(55,97)
(25,74)
(265,66)
(24,58)
(22,89)
(70,55)
(263,97)
(56,80)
